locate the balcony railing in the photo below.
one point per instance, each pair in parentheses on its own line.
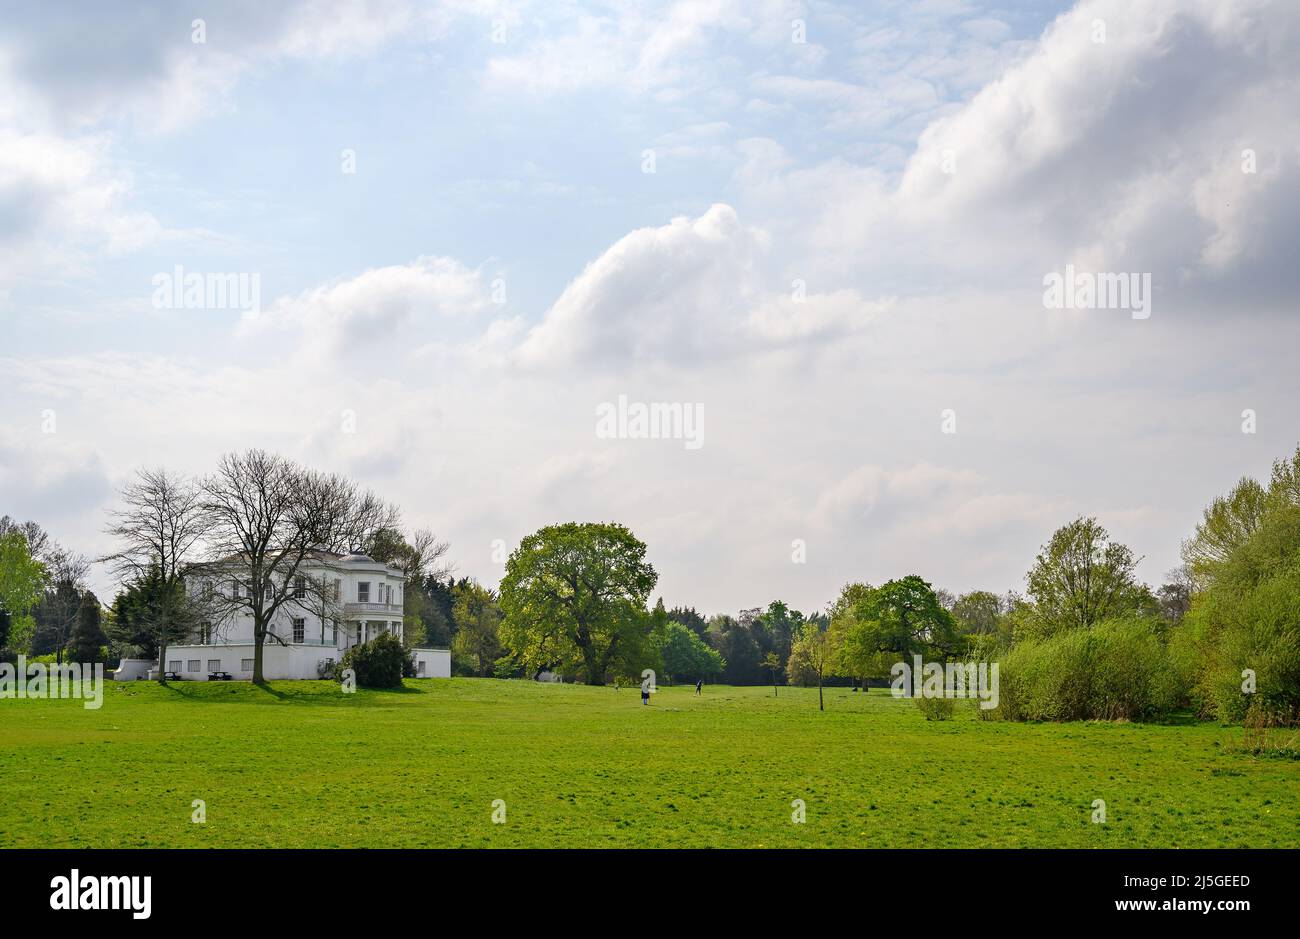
(270,642)
(392,609)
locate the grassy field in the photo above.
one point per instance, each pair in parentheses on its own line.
(301,765)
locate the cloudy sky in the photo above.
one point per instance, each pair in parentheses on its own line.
(827,225)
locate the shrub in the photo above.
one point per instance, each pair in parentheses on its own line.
(1270,735)
(1117,670)
(380,663)
(1257,628)
(936,709)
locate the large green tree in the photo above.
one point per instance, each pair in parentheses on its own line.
(1081,577)
(574,595)
(898,619)
(478,619)
(977,612)
(685,654)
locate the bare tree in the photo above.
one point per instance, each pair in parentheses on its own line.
(319,594)
(57,614)
(419,556)
(268,516)
(159,531)
(39,544)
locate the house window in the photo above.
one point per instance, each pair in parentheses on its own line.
(238,591)
(207,590)
(299,629)
(363,592)
(299,588)
(329,633)
(214,665)
(174,665)
(192,665)
(419,667)
(205,634)
(338,586)
(246,665)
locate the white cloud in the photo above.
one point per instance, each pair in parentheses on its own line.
(146,67)
(60,200)
(1122,156)
(480,423)
(381,309)
(686,292)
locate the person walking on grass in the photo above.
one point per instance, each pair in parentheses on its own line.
(699,685)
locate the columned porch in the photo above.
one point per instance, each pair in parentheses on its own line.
(359,631)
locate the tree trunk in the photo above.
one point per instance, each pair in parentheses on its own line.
(162,659)
(259,635)
(821,702)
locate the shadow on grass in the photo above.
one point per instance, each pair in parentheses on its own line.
(281,692)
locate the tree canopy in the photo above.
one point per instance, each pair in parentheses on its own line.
(574,596)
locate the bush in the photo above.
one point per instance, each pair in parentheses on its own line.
(1257,628)
(1117,670)
(936,709)
(1270,735)
(380,663)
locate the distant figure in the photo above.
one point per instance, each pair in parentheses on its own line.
(645,694)
(699,685)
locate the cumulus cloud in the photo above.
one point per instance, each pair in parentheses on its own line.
(1119,155)
(146,66)
(692,290)
(59,200)
(65,101)
(380,307)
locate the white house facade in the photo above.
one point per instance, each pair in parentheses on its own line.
(336,602)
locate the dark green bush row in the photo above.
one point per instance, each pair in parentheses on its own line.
(1116,670)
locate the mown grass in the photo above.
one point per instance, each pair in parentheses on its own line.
(301,765)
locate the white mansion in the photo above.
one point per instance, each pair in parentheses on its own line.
(336,603)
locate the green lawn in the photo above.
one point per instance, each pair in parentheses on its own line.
(301,765)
